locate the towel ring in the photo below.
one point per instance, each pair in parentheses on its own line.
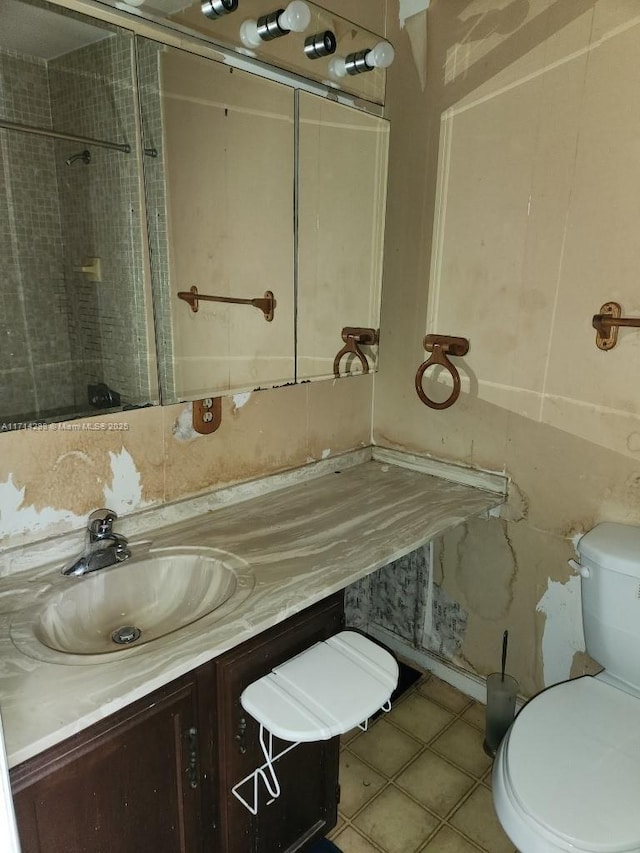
(440,346)
(352,337)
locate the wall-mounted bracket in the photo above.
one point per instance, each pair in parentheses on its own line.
(266,303)
(207,415)
(607,323)
(440,347)
(354,337)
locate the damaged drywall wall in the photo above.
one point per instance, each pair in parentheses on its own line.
(563,634)
(124,494)
(17,516)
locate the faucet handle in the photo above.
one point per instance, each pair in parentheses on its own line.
(100,522)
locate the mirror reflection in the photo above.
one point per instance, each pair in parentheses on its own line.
(75,330)
(220,205)
(342,176)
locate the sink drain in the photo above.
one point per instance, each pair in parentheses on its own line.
(126,635)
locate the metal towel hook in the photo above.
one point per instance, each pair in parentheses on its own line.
(85,156)
(353,336)
(440,346)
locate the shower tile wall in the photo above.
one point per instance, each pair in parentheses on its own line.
(92,95)
(35,356)
(59,331)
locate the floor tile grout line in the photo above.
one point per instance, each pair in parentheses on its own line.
(362,834)
(423,748)
(478,781)
(432,739)
(463,799)
(442,819)
(382,849)
(453,829)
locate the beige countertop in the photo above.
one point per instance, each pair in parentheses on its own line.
(303,542)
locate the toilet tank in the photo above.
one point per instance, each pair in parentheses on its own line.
(611,598)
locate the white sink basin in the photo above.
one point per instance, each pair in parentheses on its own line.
(102,614)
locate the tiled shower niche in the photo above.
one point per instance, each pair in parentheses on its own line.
(61,331)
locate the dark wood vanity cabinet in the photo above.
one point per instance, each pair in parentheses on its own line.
(156,777)
(121,786)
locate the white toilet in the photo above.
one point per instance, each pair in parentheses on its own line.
(567,774)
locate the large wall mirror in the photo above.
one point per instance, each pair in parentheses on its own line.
(261,208)
(220,205)
(76,326)
(257,189)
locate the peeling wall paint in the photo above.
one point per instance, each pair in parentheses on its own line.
(240,400)
(183,428)
(125,492)
(16,517)
(563,633)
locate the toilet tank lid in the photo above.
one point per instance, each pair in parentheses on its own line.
(613,546)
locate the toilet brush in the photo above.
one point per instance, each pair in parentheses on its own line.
(502,690)
(505,640)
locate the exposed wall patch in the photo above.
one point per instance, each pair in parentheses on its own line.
(240,400)
(449,625)
(563,634)
(125,492)
(17,517)
(183,427)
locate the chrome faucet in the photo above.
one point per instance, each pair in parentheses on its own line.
(102,548)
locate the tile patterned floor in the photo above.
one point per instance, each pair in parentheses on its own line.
(418,779)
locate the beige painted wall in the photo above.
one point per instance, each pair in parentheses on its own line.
(513,210)
(50,480)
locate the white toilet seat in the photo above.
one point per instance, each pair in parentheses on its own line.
(567,775)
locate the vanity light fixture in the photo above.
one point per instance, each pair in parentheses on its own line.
(295,18)
(320,44)
(381,56)
(217,8)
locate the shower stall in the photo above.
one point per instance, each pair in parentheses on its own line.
(75,318)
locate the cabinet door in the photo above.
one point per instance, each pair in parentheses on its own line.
(342,178)
(122,786)
(308,775)
(220,203)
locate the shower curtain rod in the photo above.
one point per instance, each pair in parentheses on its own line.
(70,137)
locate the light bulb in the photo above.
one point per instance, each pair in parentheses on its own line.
(381,56)
(296,17)
(249,35)
(338,67)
